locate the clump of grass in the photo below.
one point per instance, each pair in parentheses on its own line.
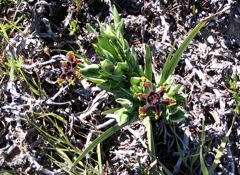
(60,150)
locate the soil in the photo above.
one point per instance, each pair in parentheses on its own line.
(41,39)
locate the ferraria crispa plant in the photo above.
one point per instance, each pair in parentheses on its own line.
(116,69)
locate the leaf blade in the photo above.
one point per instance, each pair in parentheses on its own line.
(172,62)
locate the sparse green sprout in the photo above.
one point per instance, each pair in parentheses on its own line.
(233,89)
(16,65)
(7,28)
(73,27)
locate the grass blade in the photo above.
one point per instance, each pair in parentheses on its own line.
(203,166)
(221,149)
(98,140)
(172,62)
(100,166)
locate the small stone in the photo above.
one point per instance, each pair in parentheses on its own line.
(210,40)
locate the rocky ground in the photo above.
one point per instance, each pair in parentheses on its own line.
(41,33)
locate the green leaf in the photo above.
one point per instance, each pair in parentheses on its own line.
(172,61)
(178,116)
(104,43)
(125,46)
(235,78)
(126,93)
(17,65)
(173,90)
(134,61)
(121,67)
(107,66)
(136,89)
(148,64)
(169,80)
(107,55)
(173,109)
(135,80)
(90,29)
(194,157)
(164,79)
(119,30)
(116,17)
(122,116)
(125,103)
(111,85)
(110,77)
(108,32)
(180,98)
(95,80)
(119,48)
(110,111)
(140,71)
(64,156)
(151,148)
(90,70)
(100,165)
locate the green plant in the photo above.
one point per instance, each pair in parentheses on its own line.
(4,70)
(73,27)
(199,153)
(6,2)
(5,171)
(233,90)
(16,65)
(8,27)
(219,153)
(60,150)
(118,71)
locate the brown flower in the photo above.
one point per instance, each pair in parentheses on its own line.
(153,100)
(68,69)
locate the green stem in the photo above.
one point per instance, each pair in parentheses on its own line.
(151,148)
(100,166)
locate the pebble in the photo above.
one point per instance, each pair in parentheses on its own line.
(210,40)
